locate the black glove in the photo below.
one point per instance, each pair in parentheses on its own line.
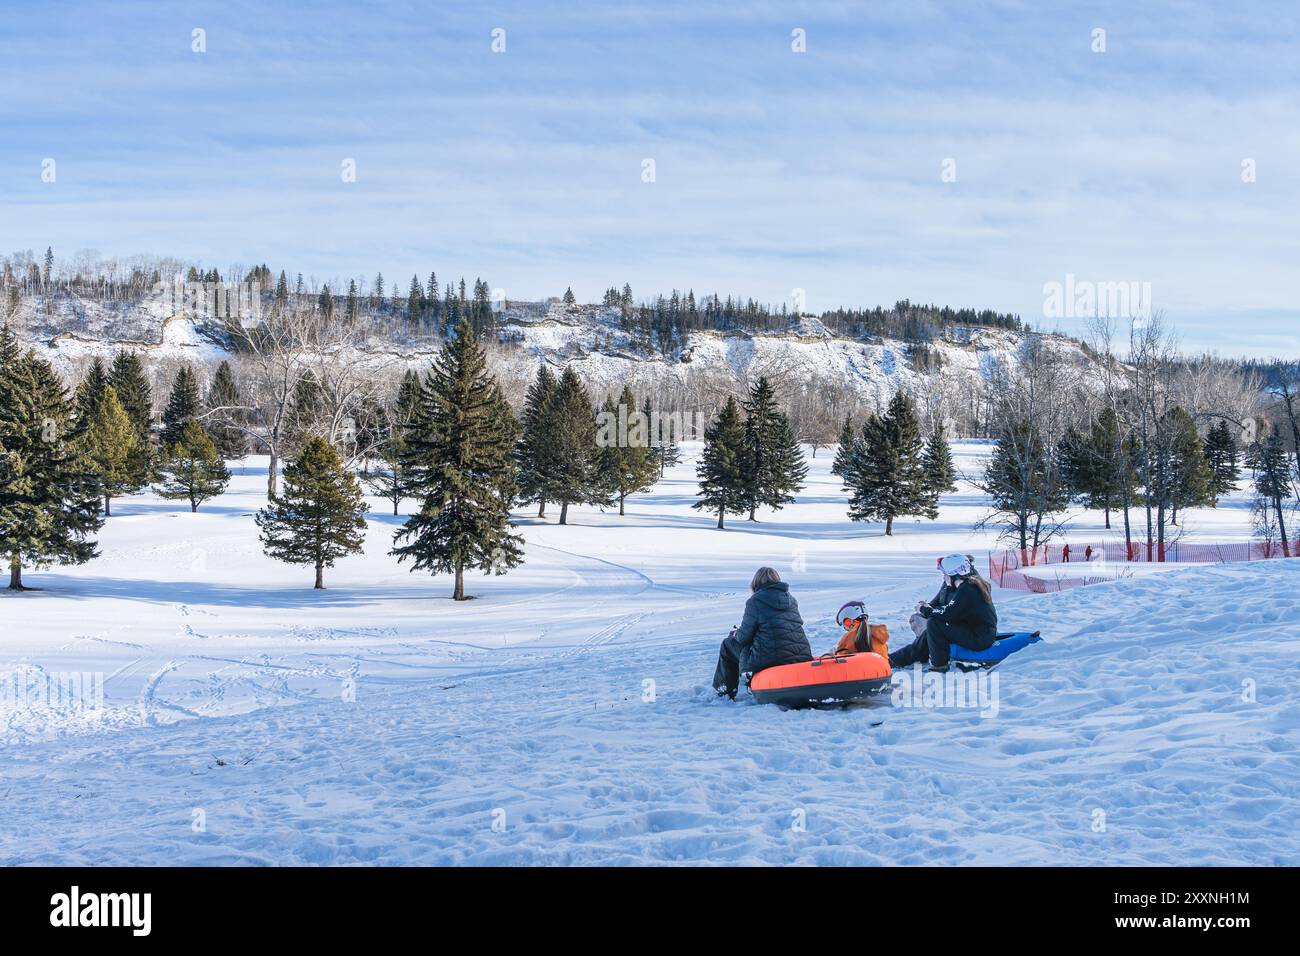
(925,610)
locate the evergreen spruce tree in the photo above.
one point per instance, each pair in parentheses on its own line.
(415,299)
(1222,456)
(132,386)
(885,472)
(664,448)
(1079,464)
(128,378)
(226,404)
(626,465)
(724,483)
(302,416)
(111,448)
(936,462)
(91,388)
(281,292)
(1113,481)
(1272,483)
(49,503)
(460,459)
(325,303)
(844,448)
(191,468)
(183,405)
(569,298)
(1192,477)
(319,516)
(390,480)
(774,461)
(534,450)
(408,400)
(572,473)
(856,454)
(1023,480)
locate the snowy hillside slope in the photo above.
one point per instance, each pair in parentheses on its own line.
(591,340)
(1157,724)
(70,331)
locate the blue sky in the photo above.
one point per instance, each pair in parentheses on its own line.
(774,170)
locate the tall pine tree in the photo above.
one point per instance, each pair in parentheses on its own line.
(303,414)
(91,388)
(49,503)
(1272,484)
(844,447)
(390,480)
(533,451)
(885,472)
(1024,481)
(1222,455)
(460,456)
(625,463)
(1192,478)
(225,407)
(1097,465)
(183,405)
(319,516)
(724,482)
(774,461)
(572,468)
(129,380)
(111,447)
(936,462)
(664,448)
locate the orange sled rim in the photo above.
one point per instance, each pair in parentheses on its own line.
(829,680)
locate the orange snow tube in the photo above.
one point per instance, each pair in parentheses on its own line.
(828,680)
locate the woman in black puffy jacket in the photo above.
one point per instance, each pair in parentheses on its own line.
(770,634)
(967,618)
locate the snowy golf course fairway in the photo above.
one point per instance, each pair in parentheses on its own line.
(251,720)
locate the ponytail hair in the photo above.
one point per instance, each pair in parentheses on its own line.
(983,586)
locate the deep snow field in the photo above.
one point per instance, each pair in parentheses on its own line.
(564,716)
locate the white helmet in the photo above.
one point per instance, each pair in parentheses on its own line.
(956,566)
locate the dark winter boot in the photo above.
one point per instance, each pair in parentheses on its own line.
(938,669)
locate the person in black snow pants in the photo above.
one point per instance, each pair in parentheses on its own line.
(968,618)
(770,634)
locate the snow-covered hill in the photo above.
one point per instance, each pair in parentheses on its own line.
(592,340)
(70,330)
(564,715)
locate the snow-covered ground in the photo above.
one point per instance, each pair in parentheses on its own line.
(564,715)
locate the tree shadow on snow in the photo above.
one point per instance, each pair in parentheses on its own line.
(437,589)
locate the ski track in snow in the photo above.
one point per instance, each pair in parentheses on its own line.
(526,706)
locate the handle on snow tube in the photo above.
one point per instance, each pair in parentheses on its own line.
(838,657)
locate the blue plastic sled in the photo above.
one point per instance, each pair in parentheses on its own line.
(1007,643)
